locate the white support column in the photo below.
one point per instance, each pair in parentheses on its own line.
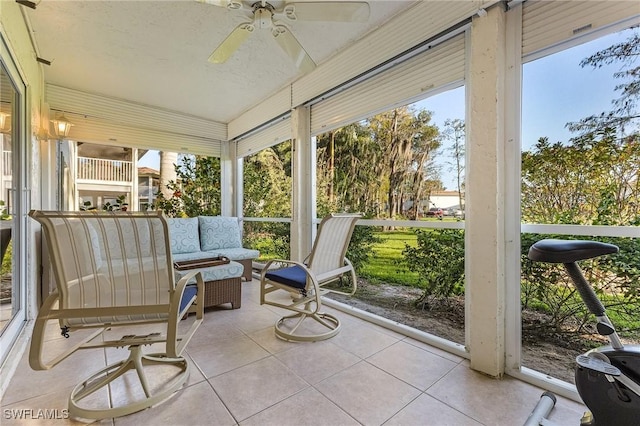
(304,184)
(485,218)
(513,106)
(239,185)
(134,202)
(227,178)
(73,160)
(50,191)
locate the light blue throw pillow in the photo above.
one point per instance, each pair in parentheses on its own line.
(183,235)
(219,232)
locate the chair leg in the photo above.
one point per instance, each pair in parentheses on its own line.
(136,361)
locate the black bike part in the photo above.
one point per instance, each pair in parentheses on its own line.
(603,398)
(586,292)
(597,365)
(568,251)
(605,329)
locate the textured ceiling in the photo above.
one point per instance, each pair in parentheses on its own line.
(155,52)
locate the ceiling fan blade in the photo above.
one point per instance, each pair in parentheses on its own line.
(342,11)
(293,48)
(231,43)
(229,4)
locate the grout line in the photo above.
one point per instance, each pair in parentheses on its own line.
(222,401)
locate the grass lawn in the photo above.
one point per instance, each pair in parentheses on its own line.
(384,265)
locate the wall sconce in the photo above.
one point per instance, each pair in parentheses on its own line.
(5,122)
(61,127)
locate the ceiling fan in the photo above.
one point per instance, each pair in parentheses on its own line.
(266,16)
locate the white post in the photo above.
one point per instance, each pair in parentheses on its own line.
(485,212)
(304,184)
(239,186)
(227,178)
(513,103)
(134,203)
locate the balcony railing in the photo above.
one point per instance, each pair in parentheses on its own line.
(7,168)
(97,169)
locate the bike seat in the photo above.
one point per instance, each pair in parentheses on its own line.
(568,251)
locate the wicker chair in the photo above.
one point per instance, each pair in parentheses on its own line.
(114,270)
(306,281)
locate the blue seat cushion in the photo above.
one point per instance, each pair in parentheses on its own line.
(189,292)
(293,276)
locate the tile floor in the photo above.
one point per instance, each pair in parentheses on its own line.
(243,375)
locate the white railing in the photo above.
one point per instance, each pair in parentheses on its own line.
(7,167)
(98,169)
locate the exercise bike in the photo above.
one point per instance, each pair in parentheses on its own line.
(607,378)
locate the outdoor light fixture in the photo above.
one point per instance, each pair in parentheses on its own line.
(61,127)
(5,122)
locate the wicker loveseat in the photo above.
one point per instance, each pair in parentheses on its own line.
(205,237)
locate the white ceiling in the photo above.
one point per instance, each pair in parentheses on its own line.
(155,52)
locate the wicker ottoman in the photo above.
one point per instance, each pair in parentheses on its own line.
(228,290)
(222,284)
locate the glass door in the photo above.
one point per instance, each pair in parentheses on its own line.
(12,208)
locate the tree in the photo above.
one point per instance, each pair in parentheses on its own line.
(625,114)
(407,142)
(348,170)
(391,132)
(425,142)
(267,193)
(199,178)
(267,184)
(196,191)
(454,132)
(587,182)
(594,179)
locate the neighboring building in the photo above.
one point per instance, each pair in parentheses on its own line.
(148,187)
(443,200)
(100,174)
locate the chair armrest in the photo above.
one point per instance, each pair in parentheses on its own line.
(176,345)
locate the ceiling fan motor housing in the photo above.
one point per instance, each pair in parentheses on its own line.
(263,17)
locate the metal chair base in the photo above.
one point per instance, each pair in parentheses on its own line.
(327,320)
(136,361)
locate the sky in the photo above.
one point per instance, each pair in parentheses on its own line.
(555,91)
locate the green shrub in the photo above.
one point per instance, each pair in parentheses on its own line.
(361,245)
(7,261)
(439,260)
(272,239)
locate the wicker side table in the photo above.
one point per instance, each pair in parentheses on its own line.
(227,290)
